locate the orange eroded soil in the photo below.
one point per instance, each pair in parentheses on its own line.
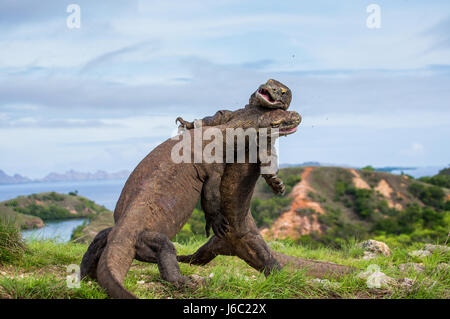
(293,223)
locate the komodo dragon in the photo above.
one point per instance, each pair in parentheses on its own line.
(227,201)
(157,200)
(272,95)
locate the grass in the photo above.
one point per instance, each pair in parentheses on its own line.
(11,243)
(42,272)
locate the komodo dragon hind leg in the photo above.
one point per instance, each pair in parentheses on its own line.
(151,247)
(90,259)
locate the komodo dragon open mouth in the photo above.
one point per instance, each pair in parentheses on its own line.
(289,125)
(265,94)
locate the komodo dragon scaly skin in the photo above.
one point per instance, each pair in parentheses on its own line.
(155,203)
(272,94)
(228,200)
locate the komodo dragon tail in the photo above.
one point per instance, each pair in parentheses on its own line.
(115,262)
(313,268)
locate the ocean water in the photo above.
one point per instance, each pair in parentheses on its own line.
(60,231)
(105,193)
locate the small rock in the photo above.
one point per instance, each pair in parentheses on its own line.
(420,253)
(380,280)
(375,278)
(439,248)
(414,266)
(376,247)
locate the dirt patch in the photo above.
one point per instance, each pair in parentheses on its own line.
(358,181)
(293,223)
(386,190)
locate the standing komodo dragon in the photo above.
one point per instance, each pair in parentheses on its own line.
(227,201)
(270,95)
(157,200)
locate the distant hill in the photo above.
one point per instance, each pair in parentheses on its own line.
(333,203)
(34,210)
(15,179)
(73,176)
(69,176)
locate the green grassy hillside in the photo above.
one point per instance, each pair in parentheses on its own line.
(333,204)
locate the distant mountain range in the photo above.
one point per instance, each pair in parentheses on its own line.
(16,179)
(75,176)
(69,176)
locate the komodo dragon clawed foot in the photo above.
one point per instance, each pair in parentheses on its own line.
(186,124)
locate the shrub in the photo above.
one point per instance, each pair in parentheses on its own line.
(429,195)
(12,203)
(53,196)
(45,212)
(12,246)
(265,211)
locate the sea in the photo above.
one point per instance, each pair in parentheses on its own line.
(105,192)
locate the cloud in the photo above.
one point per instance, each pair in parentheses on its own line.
(120,81)
(440,33)
(31,122)
(415,149)
(111,55)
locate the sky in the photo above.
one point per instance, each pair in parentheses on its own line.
(102,96)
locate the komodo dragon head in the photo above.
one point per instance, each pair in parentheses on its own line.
(253,116)
(272,94)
